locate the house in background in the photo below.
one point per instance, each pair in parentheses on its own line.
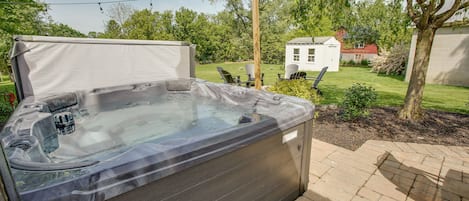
(313,53)
(356,52)
(449,57)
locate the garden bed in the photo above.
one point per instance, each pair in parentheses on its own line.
(437,127)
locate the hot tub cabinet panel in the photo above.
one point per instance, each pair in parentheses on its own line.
(265,170)
(167,140)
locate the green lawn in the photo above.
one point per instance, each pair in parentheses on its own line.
(391,89)
(209,71)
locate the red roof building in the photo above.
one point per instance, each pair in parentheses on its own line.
(358,52)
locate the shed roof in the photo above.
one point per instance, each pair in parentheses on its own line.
(309,40)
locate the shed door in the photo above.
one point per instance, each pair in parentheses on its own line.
(333,56)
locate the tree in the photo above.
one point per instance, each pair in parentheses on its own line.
(235,22)
(120,12)
(59,29)
(320,17)
(113,30)
(237,16)
(140,25)
(275,23)
(382,22)
(166,28)
(428,16)
(22,18)
(185,26)
(93,34)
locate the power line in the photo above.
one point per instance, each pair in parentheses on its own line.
(69,3)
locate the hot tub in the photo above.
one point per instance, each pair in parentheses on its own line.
(182,139)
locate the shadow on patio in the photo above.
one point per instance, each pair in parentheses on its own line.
(426,182)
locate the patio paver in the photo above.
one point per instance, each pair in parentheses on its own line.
(383,170)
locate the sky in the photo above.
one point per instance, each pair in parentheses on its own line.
(86,18)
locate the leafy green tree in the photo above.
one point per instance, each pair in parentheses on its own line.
(320,17)
(363,34)
(236,21)
(185,26)
(59,29)
(19,17)
(379,21)
(93,34)
(428,16)
(225,40)
(166,27)
(140,25)
(237,17)
(112,30)
(275,23)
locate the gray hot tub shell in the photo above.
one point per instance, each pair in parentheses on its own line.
(168,140)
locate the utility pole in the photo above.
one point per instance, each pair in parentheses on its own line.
(256,38)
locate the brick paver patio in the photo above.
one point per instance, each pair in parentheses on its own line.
(381,170)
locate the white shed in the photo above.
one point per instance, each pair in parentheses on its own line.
(313,53)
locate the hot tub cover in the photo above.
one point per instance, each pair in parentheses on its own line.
(47,65)
(32,135)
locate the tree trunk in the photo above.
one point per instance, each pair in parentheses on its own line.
(412,105)
(256,38)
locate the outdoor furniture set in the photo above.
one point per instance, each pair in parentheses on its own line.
(291,73)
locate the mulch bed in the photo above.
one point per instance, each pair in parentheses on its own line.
(436,127)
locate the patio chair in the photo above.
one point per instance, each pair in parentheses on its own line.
(289,70)
(318,79)
(229,79)
(250,72)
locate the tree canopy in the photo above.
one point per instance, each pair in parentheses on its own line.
(26,17)
(227,35)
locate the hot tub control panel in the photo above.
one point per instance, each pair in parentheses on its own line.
(64,123)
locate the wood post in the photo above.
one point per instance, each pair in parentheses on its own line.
(256,38)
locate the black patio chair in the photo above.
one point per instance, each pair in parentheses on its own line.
(318,79)
(298,75)
(229,79)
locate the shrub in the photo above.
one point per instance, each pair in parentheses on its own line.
(5,107)
(392,62)
(5,111)
(357,101)
(364,62)
(343,63)
(299,88)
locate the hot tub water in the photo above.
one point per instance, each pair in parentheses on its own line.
(100,131)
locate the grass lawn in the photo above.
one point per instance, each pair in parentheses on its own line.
(391,89)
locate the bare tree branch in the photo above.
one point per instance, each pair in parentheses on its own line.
(440,5)
(425,15)
(420,2)
(431,7)
(441,18)
(411,11)
(464,5)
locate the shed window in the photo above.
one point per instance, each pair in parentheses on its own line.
(296,54)
(360,45)
(311,55)
(358,57)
